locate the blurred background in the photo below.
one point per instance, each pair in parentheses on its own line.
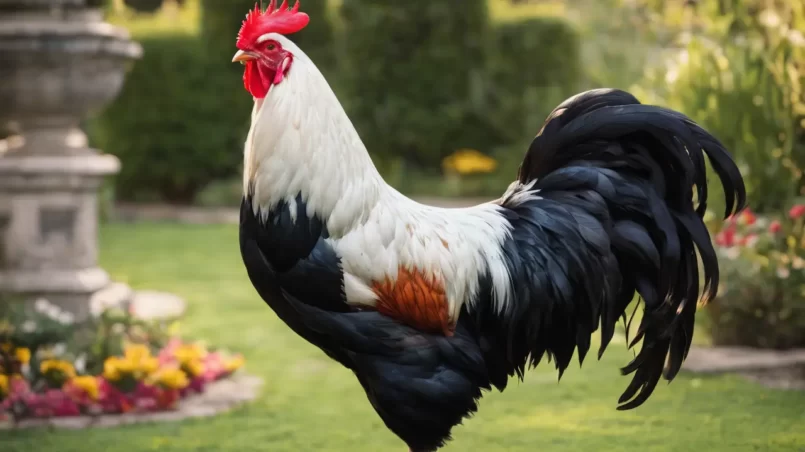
(120,166)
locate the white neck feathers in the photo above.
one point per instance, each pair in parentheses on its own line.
(301,141)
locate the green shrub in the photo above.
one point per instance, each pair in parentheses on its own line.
(535,66)
(760,300)
(414,76)
(171,126)
(742,79)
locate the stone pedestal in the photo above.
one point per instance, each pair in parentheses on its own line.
(60,62)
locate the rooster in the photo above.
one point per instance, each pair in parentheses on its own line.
(428,307)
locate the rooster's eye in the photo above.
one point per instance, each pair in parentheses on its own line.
(271,47)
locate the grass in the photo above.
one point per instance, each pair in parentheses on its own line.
(309,403)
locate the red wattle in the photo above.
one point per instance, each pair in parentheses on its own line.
(253,82)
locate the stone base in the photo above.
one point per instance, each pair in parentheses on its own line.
(146,305)
(151,305)
(218,397)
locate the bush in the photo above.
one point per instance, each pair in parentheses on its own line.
(412,68)
(742,79)
(535,66)
(179,122)
(760,301)
(436,81)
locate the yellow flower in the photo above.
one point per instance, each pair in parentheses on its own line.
(23,355)
(194,368)
(140,357)
(136,352)
(56,365)
(110,371)
(234,364)
(6,347)
(189,352)
(469,161)
(115,368)
(3,384)
(88,384)
(171,378)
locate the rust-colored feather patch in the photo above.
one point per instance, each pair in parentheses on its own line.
(415,299)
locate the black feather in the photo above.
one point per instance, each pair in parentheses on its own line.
(611,217)
(420,384)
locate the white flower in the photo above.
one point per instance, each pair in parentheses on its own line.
(29,326)
(41,305)
(53,312)
(796,38)
(783,272)
(80,363)
(66,318)
(59,349)
(732,253)
(769,18)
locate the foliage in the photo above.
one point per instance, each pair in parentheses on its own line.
(760,302)
(171,125)
(741,75)
(529,77)
(53,366)
(415,90)
(437,81)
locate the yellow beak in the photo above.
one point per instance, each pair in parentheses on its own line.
(241,56)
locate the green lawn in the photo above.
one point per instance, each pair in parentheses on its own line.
(310,404)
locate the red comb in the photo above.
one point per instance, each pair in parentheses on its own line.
(283,20)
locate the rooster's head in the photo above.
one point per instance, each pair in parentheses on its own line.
(267,62)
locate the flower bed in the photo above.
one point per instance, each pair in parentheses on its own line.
(116,364)
(761,301)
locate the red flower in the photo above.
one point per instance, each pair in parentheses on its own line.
(797,211)
(726,237)
(775,227)
(749,217)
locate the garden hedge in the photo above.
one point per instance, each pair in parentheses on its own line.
(410,73)
(418,80)
(535,66)
(179,122)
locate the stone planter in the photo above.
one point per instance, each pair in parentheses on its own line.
(61,62)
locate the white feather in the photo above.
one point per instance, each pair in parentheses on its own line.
(301,141)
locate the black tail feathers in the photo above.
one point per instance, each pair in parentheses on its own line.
(657,156)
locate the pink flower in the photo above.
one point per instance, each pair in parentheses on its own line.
(775,227)
(112,400)
(797,211)
(166,355)
(52,403)
(726,237)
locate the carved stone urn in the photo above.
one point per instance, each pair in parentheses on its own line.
(60,62)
